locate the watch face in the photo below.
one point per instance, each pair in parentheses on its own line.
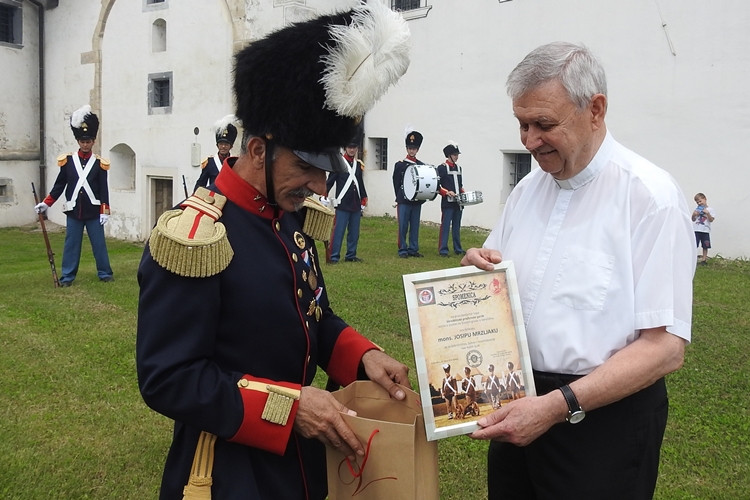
(576,417)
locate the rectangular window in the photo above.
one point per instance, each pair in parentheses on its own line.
(380,145)
(149,2)
(401,5)
(160,93)
(521,166)
(10,24)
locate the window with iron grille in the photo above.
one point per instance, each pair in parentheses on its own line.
(160,93)
(521,166)
(10,24)
(401,5)
(381,152)
(154,1)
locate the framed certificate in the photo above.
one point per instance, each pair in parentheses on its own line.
(470,345)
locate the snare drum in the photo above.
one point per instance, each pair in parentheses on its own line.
(470,198)
(421,183)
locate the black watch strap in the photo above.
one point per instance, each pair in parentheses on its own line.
(575,412)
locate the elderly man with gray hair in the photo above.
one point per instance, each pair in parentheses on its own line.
(602,243)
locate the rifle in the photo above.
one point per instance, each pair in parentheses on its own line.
(184,186)
(50,254)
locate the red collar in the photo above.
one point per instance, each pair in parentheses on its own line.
(348,158)
(450,163)
(243,194)
(84,156)
(412,158)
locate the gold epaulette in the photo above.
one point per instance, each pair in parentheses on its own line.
(204,163)
(318,220)
(103,162)
(63,159)
(189,242)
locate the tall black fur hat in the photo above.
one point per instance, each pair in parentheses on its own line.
(84,123)
(225,130)
(307,86)
(414,139)
(451,149)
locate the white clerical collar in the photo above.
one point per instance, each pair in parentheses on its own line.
(593,168)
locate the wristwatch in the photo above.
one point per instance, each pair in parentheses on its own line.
(575,412)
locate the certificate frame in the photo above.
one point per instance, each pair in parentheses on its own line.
(467,318)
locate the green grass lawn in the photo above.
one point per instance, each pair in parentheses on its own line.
(73,425)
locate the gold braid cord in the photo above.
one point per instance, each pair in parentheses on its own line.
(189,242)
(199,484)
(318,221)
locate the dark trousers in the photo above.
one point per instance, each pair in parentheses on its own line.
(612,454)
(451,220)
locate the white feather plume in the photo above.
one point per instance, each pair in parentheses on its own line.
(369,56)
(221,125)
(409,129)
(76,119)
(453,143)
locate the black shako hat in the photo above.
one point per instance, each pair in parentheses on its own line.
(307,86)
(225,130)
(451,149)
(84,123)
(414,139)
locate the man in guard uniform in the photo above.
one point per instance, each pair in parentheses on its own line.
(409,212)
(451,185)
(236,378)
(83,179)
(226,134)
(350,201)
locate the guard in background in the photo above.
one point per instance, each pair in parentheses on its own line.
(451,186)
(409,212)
(236,377)
(226,134)
(83,178)
(350,202)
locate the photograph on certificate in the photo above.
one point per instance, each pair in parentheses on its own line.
(469,345)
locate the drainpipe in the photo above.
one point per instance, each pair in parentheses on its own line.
(42,126)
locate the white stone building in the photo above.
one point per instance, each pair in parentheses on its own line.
(155,70)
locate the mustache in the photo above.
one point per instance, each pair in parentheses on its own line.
(301,192)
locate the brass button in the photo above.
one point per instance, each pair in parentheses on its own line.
(209,199)
(278,226)
(307,325)
(294,257)
(299,293)
(244,383)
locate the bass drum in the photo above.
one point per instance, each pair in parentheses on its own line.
(421,183)
(470,198)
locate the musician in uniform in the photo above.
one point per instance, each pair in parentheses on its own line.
(226,134)
(469,386)
(408,211)
(236,377)
(82,181)
(451,186)
(513,381)
(494,387)
(350,202)
(448,390)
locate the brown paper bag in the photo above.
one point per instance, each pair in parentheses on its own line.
(399,462)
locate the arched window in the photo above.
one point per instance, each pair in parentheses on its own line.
(159,36)
(121,175)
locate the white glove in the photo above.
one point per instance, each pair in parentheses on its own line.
(41,208)
(325,201)
(103,218)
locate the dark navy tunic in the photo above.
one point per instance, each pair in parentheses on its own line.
(197,337)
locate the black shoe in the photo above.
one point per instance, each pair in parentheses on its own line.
(334,262)
(403,256)
(416,255)
(107,279)
(354,259)
(461,253)
(65,284)
(444,255)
